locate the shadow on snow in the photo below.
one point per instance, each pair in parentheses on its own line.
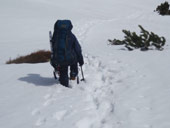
(38,80)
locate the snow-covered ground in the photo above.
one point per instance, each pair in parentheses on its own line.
(123,89)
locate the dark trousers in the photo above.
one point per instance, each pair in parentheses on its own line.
(64,79)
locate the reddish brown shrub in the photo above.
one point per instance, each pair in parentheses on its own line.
(36,57)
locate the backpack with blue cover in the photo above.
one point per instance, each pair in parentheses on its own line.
(62,53)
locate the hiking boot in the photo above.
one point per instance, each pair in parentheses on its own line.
(72,78)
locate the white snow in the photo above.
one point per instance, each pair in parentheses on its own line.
(123,89)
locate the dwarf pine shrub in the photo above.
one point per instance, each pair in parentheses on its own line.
(163,9)
(145,41)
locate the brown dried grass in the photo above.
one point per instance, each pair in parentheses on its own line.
(40,56)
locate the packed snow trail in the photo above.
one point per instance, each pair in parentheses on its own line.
(91,104)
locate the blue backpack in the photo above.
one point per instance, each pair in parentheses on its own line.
(62,52)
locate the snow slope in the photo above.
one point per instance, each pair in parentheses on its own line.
(122,90)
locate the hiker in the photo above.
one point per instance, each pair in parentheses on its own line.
(66,51)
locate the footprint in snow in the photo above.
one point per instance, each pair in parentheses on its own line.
(49,102)
(36,112)
(48,96)
(60,115)
(41,121)
(85,123)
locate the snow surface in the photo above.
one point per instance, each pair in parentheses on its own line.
(123,89)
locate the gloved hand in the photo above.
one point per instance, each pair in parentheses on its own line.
(81,63)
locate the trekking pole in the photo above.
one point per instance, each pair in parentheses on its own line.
(77,79)
(54,73)
(82,74)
